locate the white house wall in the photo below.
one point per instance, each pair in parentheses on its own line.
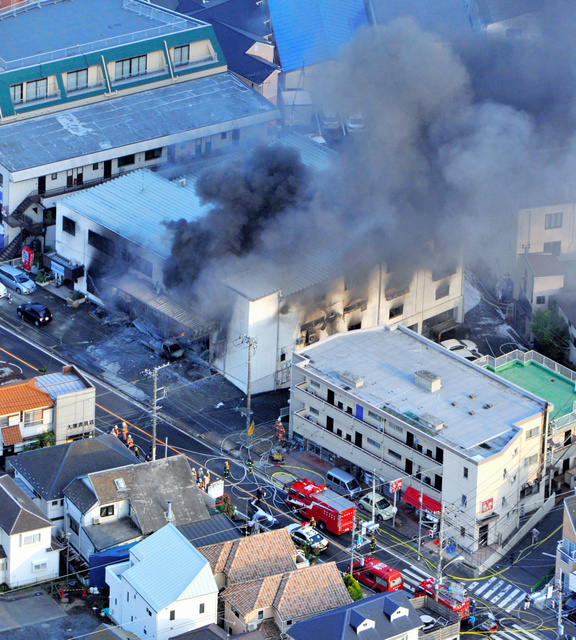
(75,408)
(31,562)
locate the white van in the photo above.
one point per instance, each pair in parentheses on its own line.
(342,482)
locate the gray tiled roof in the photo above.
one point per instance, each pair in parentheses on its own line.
(17,512)
(80,495)
(51,469)
(154,483)
(218,528)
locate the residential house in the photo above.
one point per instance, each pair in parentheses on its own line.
(59,403)
(284,309)
(214,632)
(70,91)
(389,616)
(468,440)
(565,304)
(164,589)
(48,471)
(28,553)
(284,598)
(539,276)
(566,551)
(111,632)
(242,28)
(113,507)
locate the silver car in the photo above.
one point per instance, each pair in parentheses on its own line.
(16,279)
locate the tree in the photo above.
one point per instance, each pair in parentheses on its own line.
(354,589)
(551,334)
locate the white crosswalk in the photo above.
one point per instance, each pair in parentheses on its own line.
(494,590)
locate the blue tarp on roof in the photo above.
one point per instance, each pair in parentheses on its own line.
(311,31)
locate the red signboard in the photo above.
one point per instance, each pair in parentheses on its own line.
(27,258)
(396,485)
(487,505)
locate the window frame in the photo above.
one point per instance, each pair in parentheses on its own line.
(13,87)
(553,220)
(37,86)
(131,67)
(179,59)
(76,75)
(68,225)
(396,312)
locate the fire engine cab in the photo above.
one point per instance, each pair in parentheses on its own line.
(454,598)
(377,575)
(325,508)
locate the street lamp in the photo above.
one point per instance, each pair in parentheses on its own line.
(67,554)
(439,573)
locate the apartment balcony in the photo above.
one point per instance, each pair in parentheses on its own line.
(566,558)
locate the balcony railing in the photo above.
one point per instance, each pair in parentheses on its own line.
(567,558)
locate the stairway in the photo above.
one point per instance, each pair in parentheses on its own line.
(13,249)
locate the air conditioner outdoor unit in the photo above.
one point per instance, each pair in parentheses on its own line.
(252,626)
(312,338)
(182,182)
(96,520)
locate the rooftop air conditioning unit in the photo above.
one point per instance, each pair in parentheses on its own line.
(252,626)
(312,338)
(96,520)
(182,182)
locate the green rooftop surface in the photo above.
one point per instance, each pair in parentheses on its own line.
(542,382)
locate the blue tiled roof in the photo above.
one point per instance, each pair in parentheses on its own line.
(312,31)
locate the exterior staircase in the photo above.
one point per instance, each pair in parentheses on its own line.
(13,249)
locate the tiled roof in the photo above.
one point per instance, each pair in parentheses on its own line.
(297,594)
(22,396)
(253,558)
(11,435)
(543,264)
(80,495)
(106,489)
(17,512)
(51,469)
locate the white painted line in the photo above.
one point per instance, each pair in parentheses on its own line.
(515,604)
(502,593)
(485,586)
(420,572)
(495,588)
(472,586)
(509,597)
(502,634)
(527,633)
(407,573)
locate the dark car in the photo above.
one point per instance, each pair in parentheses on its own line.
(35,313)
(484,622)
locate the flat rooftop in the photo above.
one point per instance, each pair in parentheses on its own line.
(206,105)
(80,26)
(480,411)
(542,382)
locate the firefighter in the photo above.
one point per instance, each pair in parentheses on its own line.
(136,452)
(115,431)
(313,522)
(373,544)
(194,475)
(129,442)
(250,465)
(124,431)
(226,469)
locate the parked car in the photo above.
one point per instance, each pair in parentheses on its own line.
(383,510)
(3,290)
(16,279)
(329,120)
(464,348)
(35,313)
(355,122)
(483,622)
(317,138)
(306,535)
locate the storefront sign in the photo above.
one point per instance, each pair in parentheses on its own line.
(57,268)
(396,485)
(487,505)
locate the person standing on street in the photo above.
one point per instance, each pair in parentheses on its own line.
(226,469)
(535,535)
(527,602)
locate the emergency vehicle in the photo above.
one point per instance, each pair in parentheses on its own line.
(317,503)
(454,598)
(377,575)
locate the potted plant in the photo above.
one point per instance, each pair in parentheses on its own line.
(75,299)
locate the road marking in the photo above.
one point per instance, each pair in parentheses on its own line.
(417,578)
(472,586)
(530,635)
(516,603)
(509,597)
(502,634)
(485,585)
(502,593)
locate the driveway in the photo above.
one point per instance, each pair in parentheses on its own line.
(31,607)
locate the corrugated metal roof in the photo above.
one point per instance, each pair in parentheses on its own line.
(136,206)
(186,109)
(75,25)
(311,31)
(55,384)
(169,568)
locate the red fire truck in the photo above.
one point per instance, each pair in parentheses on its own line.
(448,596)
(316,502)
(377,575)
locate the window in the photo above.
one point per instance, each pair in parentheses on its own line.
(395,427)
(464,500)
(396,311)
(555,248)
(130,67)
(31,538)
(235,613)
(261,615)
(444,272)
(37,89)
(128,598)
(394,454)
(54,176)
(553,220)
(101,243)
(201,609)
(54,503)
(504,501)
(314,411)
(530,460)
(465,472)
(374,416)
(540,299)
(107,511)
(462,532)
(181,55)
(38,567)
(532,433)
(504,474)
(17,93)
(124,161)
(173,614)
(148,611)
(373,443)
(152,154)
(223,135)
(68,226)
(77,80)
(443,290)
(73,525)
(314,383)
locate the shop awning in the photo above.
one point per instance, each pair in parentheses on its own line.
(412,497)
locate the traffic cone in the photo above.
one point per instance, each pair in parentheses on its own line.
(84,593)
(61,593)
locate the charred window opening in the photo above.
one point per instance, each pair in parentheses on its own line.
(443,290)
(396,311)
(68,226)
(105,245)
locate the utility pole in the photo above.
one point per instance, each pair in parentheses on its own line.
(560,625)
(420,528)
(440,545)
(154,374)
(252,344)
(353,540)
